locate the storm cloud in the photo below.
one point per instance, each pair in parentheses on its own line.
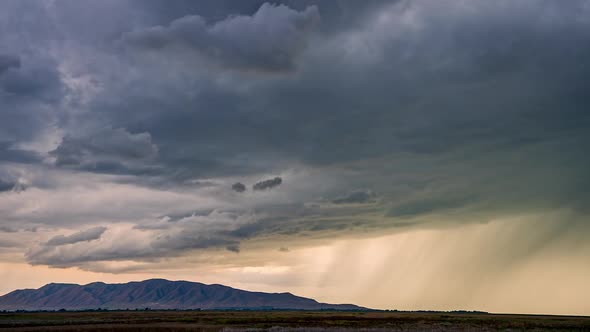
(382,117)
(269,40)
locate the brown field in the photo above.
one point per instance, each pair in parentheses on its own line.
(278,321)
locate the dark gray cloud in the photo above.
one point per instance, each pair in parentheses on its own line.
(6,185)
(238,187)
(117,143)
(8,153)
(269,40)
(267,184)
(29,97)
(82,236)
(402,105)
(8,61)
(107,151)
(432,96)
(335,15)
(42,83)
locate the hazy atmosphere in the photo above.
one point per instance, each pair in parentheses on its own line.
(391,154)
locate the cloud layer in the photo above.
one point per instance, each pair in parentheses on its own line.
(82,236)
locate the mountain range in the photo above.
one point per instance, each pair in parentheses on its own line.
(156,294)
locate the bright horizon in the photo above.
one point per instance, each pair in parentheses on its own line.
(410,155)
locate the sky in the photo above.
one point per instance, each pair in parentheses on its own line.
(393,154)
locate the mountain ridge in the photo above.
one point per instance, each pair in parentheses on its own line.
(155,294)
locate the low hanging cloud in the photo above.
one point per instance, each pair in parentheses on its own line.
(82,236)
(268,184)
(269,40)
(217,230)
(170,239)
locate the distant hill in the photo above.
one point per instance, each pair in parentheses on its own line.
(155,294)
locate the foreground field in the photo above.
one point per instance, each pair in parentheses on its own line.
(277,321)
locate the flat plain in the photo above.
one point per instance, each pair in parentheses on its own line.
(277,321)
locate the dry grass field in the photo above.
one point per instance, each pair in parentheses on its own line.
(278,321)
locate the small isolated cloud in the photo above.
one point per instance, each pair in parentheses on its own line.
(82,236)
(269,40)
(233,248)
(357,197)
(284,249)
(238,187)
(268,184)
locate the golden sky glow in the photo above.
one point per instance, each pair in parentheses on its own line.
(459,268)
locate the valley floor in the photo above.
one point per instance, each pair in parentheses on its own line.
(288,321)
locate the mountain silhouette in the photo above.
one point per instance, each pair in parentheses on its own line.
(155,294)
